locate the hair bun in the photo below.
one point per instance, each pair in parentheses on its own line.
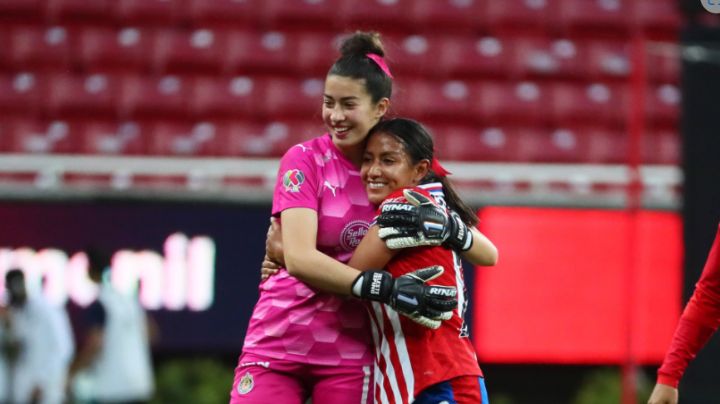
(362,43)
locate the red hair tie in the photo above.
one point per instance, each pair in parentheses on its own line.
(439,170)
(380,62)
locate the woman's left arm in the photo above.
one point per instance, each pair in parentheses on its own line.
(483,251)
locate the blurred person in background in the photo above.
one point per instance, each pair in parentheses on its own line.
(302,343)
(698,322)
(113,364)
(36,345)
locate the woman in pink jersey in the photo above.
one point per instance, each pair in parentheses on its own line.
(415,364)
(699,321)
(302,343)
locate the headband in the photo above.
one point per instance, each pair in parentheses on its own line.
(439,170)
(380,62)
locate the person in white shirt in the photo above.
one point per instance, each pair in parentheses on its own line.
(36,346)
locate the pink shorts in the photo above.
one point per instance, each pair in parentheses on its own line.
(262,380)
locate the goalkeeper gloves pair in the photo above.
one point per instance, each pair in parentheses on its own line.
(422,223)
(409,294)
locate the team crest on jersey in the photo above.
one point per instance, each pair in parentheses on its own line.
(293,179)
(352,234)
(246,384)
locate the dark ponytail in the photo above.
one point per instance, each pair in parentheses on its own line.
(354,63)
(418,144)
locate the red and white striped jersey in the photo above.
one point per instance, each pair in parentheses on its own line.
(409,356)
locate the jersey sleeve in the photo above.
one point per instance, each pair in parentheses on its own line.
(297,180)
(699,321)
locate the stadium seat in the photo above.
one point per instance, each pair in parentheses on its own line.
(607,58)
(588,102)
(114,138)
(520,15)
(287,97)
(663,62)
(226,96)
(390,14)
(21,93)
(594,15)
(263,52)
(80,10)
(451,15)
(661,146)
(472,56)
(232,11)
(512,102)
(20,8)
(544,56)
(434,99)
(92,94)
(34,46)
(562,145)
(151,96)
(305,13)
(150,11)
(175,138)
(658,15)
(662,104)
(184,50)
(271,138)
(413,55)
(315,52)
(36,136)
(128,48)
(476,143)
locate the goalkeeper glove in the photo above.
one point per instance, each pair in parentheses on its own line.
(409,294)
(422,223)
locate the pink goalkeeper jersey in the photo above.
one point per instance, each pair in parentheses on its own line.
(291,320)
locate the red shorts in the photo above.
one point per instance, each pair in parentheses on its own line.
(262,380)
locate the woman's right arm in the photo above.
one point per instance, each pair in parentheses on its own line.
(304,261)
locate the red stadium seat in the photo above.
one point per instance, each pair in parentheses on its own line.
(315,52)
(515,102)
(269,139)
(111,137)
(482,144)
(266,52)
(589,102)
(413,54)
(518,15)
(37,46)
(79,9)
(40,137)
(661,146)
(20,8)
(542,56)
(204,11)
(21,93)
(226,96)
(472,56)
(307,13)
(176,138)
(85,95)
(662,15)
(594,15)
(286,98)
(663,62)
(110,49)
(153,11)
(151,96)
(607,59)
(200,49)
(449,14)
(562,145)
(435,100)
(392,14)
(662,104)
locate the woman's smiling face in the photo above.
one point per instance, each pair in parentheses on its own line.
(386,167)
